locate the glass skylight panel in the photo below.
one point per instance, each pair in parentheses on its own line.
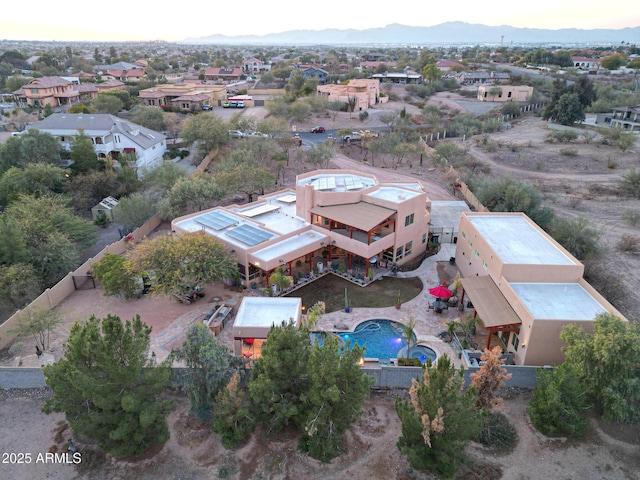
(249,235)
(216,220)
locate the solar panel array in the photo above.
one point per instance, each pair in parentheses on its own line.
(216,220)
(325,183)
(353,183)
(249,235)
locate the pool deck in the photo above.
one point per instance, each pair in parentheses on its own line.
(428,322)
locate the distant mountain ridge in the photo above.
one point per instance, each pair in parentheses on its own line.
(445,33)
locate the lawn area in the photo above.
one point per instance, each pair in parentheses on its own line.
(380,293)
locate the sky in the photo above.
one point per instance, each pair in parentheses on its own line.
(127,20)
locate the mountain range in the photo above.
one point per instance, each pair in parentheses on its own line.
(443,34)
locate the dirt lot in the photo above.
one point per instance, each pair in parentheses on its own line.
(607,452)
(194,452)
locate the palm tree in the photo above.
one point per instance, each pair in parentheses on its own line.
(408,332)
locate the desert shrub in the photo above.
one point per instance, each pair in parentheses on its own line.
(363,116)
(611,164)
(510,108)
(490,125)
(558,403)
(561,136)
(630,183)
(569,152)
(631,217)
(497,431)
(629,243)
(577,236)
(574,201)
(606,282)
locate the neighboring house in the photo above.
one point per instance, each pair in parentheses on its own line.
(507,93)
(585,63)
(111,136)
(53,91)
(470,78)
(316,73)
(124,75)
(99,69)
(524,285)
(255,65)
(184,96)
(627,118)
(374,65)
(222,73)
(109,85)
(447,65)
(366,91)
(500,77)
(87,91)
(402,78)
(348,215)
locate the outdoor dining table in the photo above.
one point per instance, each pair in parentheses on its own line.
(439,305)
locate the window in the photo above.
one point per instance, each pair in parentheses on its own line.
(470,243)
(34,90)
(399,253)
(484,265)
(408,220)
(407,249)
(424,238)
(464,235)
(514,341)
(477,254)
(509,95)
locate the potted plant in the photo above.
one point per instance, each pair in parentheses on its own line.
(398,301)
(347,308)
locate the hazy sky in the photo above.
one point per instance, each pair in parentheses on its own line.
(123,20)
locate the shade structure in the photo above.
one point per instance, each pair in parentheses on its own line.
(441,292)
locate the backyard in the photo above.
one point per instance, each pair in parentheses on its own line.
(330,289)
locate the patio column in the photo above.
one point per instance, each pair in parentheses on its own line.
(266,274)
(290,268)
(366,269)
(349,257)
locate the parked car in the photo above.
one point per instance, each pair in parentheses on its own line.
(256,134)
(236,133)
(240,105)
(226,104)
(207,107)
(352,137)
(234,104)
(317,130)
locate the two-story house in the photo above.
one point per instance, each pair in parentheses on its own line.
(226,74)
(53,91)
(111,136)
(255,65)
(365,91)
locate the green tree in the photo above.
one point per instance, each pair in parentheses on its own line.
(431,72)
(133,210)
(150,117)
(210,366)
(164,177)
(558,403)
(179,263)
(83,154)
(37,322)
(234,416)
(19,284)
(16,82)
(111,270)
(35,179)
(613,62)
(576,236)
(207,131)
(338,390)
(606,365)
(567,111)
(31,147)
(107,387)
(188,195)
(296,81)
(320,155)
(280,378)
(439,420)
(104,103)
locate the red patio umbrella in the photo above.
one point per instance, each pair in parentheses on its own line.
(441,292)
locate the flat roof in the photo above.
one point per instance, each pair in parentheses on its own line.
(267,311)
(338,183)
(394,194)
(280,249)
(516,241)
(558,301)
(446,213)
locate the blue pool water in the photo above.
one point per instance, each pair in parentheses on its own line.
(383,340)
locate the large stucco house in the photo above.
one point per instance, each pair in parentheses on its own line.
(185,95)
(365,91)
(342,216)
(504,93)
(524,285)
(111,136)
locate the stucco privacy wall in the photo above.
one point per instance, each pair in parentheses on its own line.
(384,377)
(53,296)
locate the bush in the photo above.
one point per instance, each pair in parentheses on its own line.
(561,136)
(411,362)
(363,116)
(569,152)
(497,431)
(558,403)
(631,217)
(630,183)
(629,243)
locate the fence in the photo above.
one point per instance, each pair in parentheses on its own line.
(383,376)
(53,296)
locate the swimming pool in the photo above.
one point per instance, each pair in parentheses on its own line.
(383,340)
